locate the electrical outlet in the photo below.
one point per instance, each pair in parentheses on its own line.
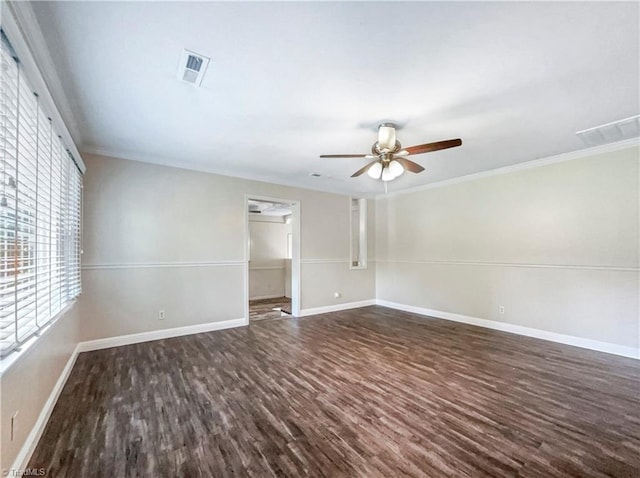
(14,424)
(337,295)
(501,310)
(161,315)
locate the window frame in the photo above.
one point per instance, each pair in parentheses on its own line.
(23,246)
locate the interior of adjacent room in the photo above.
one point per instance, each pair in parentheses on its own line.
(270,255)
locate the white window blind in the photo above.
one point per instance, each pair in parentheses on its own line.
(40,212)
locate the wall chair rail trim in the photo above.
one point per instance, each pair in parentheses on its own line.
(159,265)
(513,264)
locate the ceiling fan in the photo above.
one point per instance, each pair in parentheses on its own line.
(389,157)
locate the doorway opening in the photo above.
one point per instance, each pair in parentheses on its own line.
(272,258)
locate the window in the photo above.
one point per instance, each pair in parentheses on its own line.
(358,233)
(40,210)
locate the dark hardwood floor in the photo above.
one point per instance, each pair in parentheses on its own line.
(263,309)
(369,392)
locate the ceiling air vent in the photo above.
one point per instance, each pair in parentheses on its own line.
(626,128)
(192,67)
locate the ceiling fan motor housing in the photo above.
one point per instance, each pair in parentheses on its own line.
(377,150)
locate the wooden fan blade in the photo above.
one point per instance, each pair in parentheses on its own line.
(344,155)
(409,165)
(363,169)
(437,146)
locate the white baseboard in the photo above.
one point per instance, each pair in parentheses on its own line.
(606,347)
(336,307)
(158,334)
(29,446)
(262,297)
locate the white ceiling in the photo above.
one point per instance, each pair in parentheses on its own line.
(269,208)
(290,81)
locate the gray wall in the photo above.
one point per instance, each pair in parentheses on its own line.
(138,217)
(268,250)
(556,245)
(27,384)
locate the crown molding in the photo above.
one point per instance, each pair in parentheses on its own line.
(193,166)
(211,169)
(536,163)
(23,30)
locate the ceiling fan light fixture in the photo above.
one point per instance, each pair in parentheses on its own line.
(375,170)
(396,168)
(387,175)
(386,137)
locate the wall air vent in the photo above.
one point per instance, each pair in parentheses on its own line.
(192,67)
(626,128)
